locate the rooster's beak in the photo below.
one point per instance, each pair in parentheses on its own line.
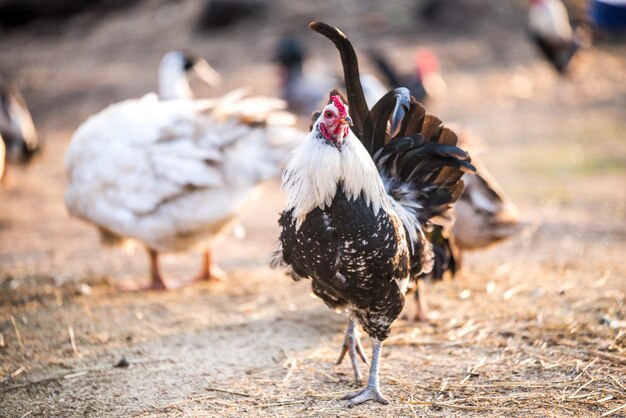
(347,120)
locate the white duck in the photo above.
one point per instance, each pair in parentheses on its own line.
(174,173)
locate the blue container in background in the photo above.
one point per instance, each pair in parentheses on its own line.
(609,14)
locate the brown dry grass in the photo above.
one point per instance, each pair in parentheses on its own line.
(534,327)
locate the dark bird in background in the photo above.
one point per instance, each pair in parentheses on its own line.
(482,217)
(450,15)
(2,159)
(423,82)
(17,129)
(219,14)
(305,91)
(550,29)
(358,200)
(16,13)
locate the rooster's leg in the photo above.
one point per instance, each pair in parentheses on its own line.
(371,392)
(352,346)
(421,306)
(157,282)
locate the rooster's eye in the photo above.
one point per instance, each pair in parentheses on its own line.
(328,114)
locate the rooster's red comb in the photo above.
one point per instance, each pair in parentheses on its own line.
(339,105)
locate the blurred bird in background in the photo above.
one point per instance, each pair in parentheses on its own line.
(424,82)
(171,174)
(21,141)
(483,216)
(306,91)
(2,159)
(453,16)
(550,29)
(219,14)
(17,13)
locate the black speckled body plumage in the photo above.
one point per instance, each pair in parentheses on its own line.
(355,258)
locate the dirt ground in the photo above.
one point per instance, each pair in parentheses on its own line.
(534,327)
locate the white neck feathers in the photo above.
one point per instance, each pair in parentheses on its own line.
(315,170)
(173,82)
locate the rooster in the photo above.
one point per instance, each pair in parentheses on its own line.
(550,29)
(360,189)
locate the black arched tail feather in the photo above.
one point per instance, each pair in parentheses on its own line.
(354,90)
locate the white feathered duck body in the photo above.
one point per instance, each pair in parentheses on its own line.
(358,200)
(173,174)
